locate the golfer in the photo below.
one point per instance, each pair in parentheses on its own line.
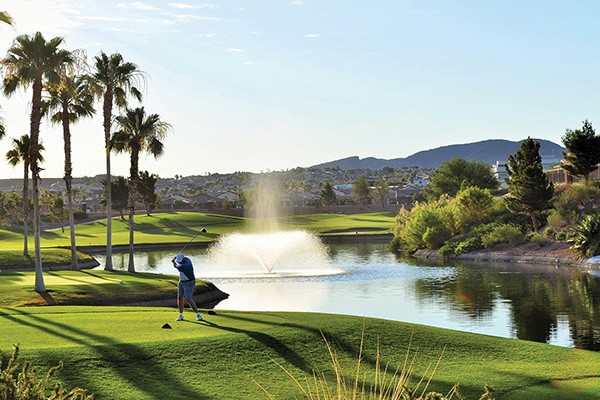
(185,287)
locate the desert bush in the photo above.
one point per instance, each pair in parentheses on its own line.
(560,236)
(556,220)
(24,385)
(470,241)
(540,238)
(79,215)
(471,206)
(467,245)
(576,200)
(387,383)
(585,236)
(503,233)
(412,226)
(448,249)
(436,236)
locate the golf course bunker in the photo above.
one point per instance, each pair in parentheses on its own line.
(269,254)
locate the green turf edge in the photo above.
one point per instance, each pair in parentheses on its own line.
(91,287)
(123,353)
(11,260)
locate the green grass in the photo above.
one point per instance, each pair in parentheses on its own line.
(87,287)
(123,353)
(182,226)
(379,222)
(15,260)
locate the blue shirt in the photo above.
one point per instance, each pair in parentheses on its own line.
(186,269)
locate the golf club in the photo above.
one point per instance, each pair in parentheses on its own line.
(203,230)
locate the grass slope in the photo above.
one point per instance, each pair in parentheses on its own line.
(180,227)
(15,260)
(123,353)
(87,287)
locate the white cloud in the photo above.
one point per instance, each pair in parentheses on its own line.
(312,35)
(209,35)
(297,2)
(101,18)
(52,17)
(185,6)
(187,17)
(234,50)
(114,29)
(137,5)
(254,62)
(177,18)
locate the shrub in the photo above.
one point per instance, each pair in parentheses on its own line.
(549,232)
(540,239)
(467,245)
(504,233)
(435,236)
(585,236)
(24,385)
(557,220)
(387,383)
(395,245)
(560,236)
(576,199)
(471,206)
(448,249)
(411,226)
(79,215)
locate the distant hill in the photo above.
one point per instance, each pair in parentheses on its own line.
(488,151)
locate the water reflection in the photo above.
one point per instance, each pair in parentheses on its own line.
(544,304)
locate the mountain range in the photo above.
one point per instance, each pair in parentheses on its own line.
(488,151)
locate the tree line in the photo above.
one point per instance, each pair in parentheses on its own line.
(65,89)
(463,209)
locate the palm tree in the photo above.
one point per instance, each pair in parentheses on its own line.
(31,60)
(138,133)
(6,18)
(116,78)
(20,153)
(69,100)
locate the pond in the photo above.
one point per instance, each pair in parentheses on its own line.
(559,306)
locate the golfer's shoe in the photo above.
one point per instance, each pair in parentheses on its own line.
(199,317)
(180,318)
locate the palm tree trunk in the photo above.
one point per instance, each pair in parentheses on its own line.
(36,117)
(68,183)
(132,193)
(25,208)
(107,123)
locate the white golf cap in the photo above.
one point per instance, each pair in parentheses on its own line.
(179,257)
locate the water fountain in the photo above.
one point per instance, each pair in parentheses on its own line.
(267,249)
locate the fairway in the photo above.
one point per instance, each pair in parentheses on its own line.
(122,352)
(180,227)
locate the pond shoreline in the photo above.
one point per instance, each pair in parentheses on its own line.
(555,254)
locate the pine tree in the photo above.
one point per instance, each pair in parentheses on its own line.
(583,150)
(361,192)
(147,190)
(327,195)
(528,186)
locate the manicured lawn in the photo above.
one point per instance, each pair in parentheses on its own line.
(182,226)
(15,260)
(120,352)
(87,287)
(379,222)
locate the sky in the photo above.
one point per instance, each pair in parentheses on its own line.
(265,85)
